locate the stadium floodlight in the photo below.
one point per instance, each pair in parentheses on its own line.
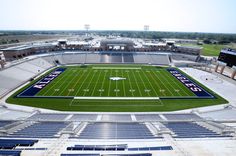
(146,27)
(87,27)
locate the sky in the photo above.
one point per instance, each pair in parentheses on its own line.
(161,15)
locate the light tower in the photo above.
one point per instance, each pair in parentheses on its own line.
(87,27)
(146,27)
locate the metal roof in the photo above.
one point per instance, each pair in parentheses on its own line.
(24,47)
(117,41)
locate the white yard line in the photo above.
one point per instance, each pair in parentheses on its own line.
(103,82)
(151,83)
(109,86)
(136,84)
(96,82)
(123,83)
(91,80)
(54,83)
(116,82)
(163,93)
(68,84)
(115,98)
(116,67)
(83,82)
(143,83)
(61,82)
(161,83)
(130,85)
(78,80)
(168,84)
(176,84)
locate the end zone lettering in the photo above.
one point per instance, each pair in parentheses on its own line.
(34,89)
(196,89)
(47,79)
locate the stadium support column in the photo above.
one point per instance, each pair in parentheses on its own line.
(222,69)
(234,72)
(222,65)
(2,64)
(216,68)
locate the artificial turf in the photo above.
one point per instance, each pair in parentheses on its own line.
(138,81)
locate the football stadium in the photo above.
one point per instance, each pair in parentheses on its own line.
(117,97)
(117,78)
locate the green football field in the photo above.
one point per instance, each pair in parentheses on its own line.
(116,81)
(114,88)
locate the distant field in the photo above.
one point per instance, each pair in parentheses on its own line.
(113,88)
(211,49)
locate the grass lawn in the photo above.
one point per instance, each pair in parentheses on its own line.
(210,49)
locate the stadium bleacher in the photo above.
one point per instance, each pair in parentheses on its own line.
(20,73)
(40,130)
(48,116)
(7,114)
(16,73)
(10,153)
(120,147)
(190,130)
(158,148)
(92,58)
(128,58)
(12,143)
(50,127)
(116,131)
(115,148)
(40,62)
(139,154)
(73,58)
(83,117)
(160,59)
(148,117)
(116,117)
(116,57)
(4,123)
(183,117)
(140,58)
(80,154)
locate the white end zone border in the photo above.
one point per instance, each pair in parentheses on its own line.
(115,98)
(117,68)
(155,101)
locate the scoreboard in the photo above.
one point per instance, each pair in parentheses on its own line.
(228,56)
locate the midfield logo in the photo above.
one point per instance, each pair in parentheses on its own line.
(117,78)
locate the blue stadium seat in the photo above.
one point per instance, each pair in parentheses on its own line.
(158,148)
(116,131)
(12,143)
(80,154)
(190,130)
(98,147)
(4,123)
(41,130)
(9,153)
